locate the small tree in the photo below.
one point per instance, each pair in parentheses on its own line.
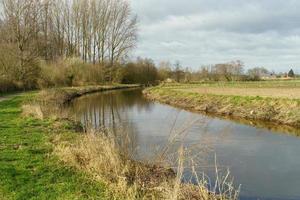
(257,73)
(178,72)
(291,74)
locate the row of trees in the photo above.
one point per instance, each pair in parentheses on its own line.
(98,31)
(231,71)
(95,30)
(45,43)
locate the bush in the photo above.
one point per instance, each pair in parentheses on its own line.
(17,73)
(143,71)
(71,72)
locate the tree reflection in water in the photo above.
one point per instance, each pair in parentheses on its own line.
(109,111)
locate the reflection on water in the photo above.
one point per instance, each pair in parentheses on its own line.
(266,164)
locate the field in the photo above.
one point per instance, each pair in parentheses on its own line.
(269,101)
(274,89)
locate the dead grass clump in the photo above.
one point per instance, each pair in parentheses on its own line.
(100,156)
(32,110)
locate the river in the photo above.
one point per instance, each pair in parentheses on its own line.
(265,163)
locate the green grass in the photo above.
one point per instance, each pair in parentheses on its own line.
(28,167)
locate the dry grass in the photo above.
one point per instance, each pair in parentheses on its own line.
(291,93)
(99,155)
(32,110)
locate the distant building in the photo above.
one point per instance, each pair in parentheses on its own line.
(268,76)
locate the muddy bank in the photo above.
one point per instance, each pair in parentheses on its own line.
(278,111)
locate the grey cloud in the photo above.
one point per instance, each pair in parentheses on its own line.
(259,32)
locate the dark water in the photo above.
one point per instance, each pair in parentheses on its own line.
(266,163)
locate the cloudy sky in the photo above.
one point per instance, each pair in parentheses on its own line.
(198,32)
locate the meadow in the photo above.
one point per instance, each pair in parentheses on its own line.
(275,89)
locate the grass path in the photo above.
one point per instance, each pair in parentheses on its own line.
(9,96)
(28,168)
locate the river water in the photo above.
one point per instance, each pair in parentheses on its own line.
(265,163)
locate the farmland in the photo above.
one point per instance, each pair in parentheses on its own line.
(271,101)
(274,89)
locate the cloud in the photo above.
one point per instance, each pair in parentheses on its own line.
(197,32)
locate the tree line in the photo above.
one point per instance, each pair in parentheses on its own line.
(230,71)
(53,43)
(100,32)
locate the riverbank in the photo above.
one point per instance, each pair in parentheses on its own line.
(64,95)
(29,169)
(39,148)
(277,110)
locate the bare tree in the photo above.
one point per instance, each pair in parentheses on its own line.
(123,30)
(97,31)
(22,31)
(178,72)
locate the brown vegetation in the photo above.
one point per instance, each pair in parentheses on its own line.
(99,155)
(290,93)
(37,33)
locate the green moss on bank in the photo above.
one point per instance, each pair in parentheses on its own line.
(28,168)
(277,110)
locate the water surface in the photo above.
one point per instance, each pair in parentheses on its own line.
(266,163)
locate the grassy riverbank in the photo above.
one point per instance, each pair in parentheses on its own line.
(47,156)
(252,101)
(28,167)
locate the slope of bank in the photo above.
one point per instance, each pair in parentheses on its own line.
(277,110)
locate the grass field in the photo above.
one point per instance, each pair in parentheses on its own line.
(275,89)
(248,84)
(290,93)
(270,101)
(28,167)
